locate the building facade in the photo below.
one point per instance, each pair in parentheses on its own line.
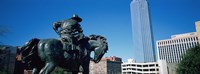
(197,23)
(172,50)
(141,31)
(108,65)
(131,67)
(7,59)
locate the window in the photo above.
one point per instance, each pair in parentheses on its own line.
(145,65)
(152,69)
(157,69)
(146,70)
(156,65)
(139,69)
(139,65)
(133,65)
(128,68)
(151,65)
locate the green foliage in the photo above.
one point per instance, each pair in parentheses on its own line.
(190,63)
(4,72)
(1,72)
(58,70)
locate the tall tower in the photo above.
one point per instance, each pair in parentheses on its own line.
(142,33)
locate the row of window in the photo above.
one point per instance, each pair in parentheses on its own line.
(137,73)
(134,65)
(174,53)
(134,69)
(178,40)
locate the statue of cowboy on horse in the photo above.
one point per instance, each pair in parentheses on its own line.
(71,51)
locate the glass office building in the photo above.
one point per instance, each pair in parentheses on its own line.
(142,33)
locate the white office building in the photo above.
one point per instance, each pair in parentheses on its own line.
(132,67)
(172,50)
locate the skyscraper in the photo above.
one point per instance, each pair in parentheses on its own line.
(142,33)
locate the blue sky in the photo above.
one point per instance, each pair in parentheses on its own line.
(26,19)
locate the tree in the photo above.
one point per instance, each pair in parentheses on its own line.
(190,63)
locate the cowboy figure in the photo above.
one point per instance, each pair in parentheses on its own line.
(70,32)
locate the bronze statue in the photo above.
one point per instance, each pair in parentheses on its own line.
(71,52)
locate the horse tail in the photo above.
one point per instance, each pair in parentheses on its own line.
(30,53)
(100,46)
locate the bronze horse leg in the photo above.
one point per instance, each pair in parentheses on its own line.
(49,67)
(36,70)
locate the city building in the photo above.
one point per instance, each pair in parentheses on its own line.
(133,67)
(112,58)
(172,50)
(142,31)
(198,29)
(108,65)
(7,59)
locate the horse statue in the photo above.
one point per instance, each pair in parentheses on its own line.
(71,52)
